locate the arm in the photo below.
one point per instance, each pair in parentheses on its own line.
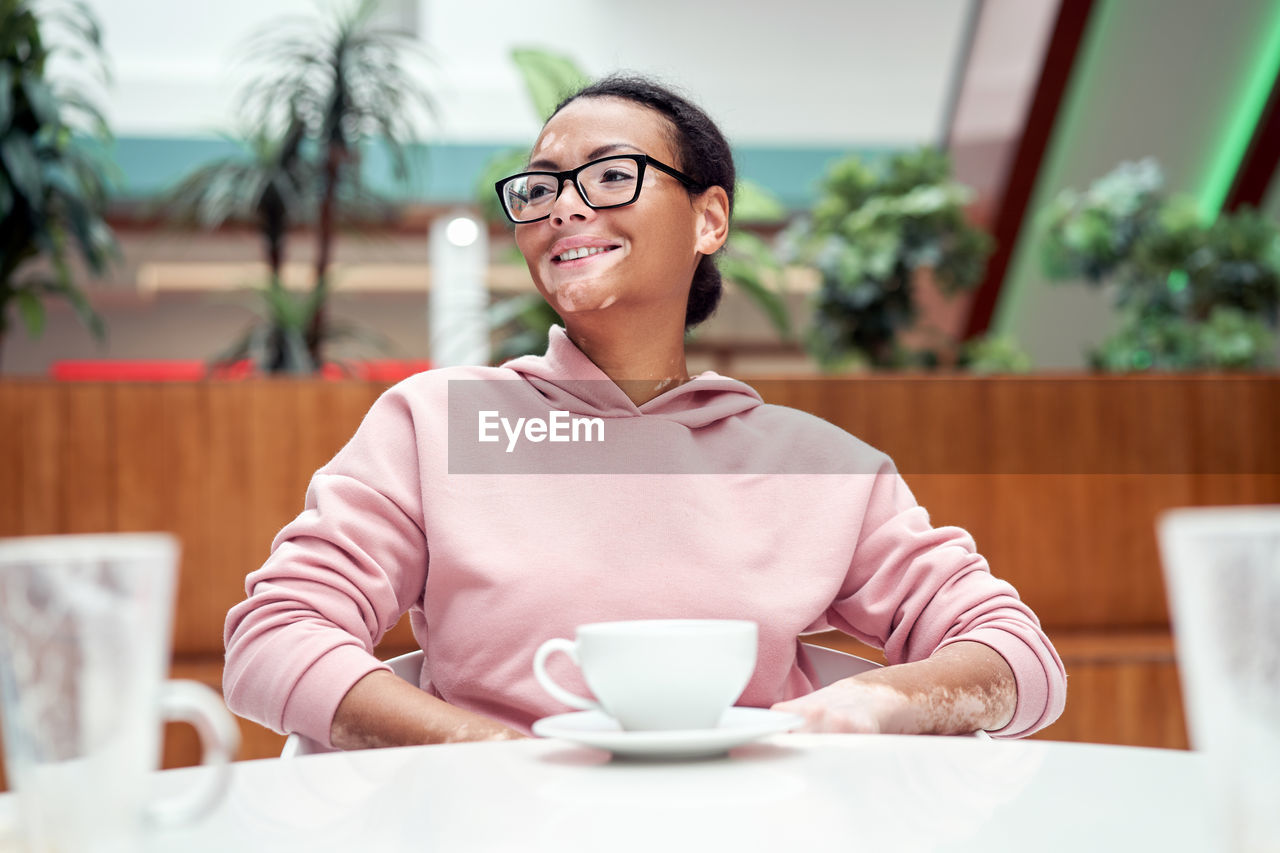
(962,687)
(383,710)
(300,646)
(965,652)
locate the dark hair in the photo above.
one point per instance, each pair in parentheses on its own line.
(703,154)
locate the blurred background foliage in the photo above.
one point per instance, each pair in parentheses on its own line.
(1188,294)
(870,234)
(54,172)
(320,91)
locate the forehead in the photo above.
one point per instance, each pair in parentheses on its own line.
(588,124)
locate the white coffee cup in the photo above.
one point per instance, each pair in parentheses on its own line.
(84,648)
(659,674)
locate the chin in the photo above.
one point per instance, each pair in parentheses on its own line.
(581,297)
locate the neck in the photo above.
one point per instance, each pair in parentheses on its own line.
(643,359)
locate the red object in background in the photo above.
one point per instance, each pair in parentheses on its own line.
(193,370)
(388,370)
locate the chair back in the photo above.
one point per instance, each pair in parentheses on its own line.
(831,665)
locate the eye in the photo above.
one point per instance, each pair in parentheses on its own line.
(616,174)
(539,191)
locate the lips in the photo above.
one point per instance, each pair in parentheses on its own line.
(576,254)
(578,248)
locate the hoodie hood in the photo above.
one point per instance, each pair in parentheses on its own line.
(571,382)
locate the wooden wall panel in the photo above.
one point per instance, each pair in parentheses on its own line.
(88,451)
(184,446)
(235,546)
(1124,702)
(1062,478)
(41,465)
(1080,548)
(11,431)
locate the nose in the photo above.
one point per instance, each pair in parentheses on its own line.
(570,205)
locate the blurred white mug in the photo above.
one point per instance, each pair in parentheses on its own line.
(84,649)
(1222,572)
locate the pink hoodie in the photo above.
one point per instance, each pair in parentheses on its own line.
(701,503)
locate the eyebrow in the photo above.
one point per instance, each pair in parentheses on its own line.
(593,154)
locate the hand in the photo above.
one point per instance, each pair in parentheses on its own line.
(851,705)
(477,728)
(382,710)
(963,687)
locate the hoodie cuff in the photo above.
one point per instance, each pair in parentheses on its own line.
(1032,711)
(315,697)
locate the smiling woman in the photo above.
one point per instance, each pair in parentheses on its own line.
(603,140)
(625,202)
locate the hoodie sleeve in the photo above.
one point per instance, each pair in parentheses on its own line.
(338,577)
(913,588)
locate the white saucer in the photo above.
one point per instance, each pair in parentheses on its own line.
(737,726)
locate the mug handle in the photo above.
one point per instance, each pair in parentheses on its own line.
(569,647)
(187,701)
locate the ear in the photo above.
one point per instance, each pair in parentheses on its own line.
(712,221)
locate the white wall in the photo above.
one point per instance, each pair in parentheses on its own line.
(857,72)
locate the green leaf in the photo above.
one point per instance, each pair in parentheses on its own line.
(751,264)
(6,96)
(66,287)
(502,165)
(32,311)
(753,203)
(297,359)
(6,196)
(18,156)
(242,348)
(549,78)
(41,98)
(995,354)
(81,114)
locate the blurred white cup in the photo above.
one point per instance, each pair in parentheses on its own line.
(657,674)
(85,626)
(1222,572)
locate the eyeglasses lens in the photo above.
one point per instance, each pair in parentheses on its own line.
(609,183)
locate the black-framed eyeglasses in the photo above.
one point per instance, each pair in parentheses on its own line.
(608,182)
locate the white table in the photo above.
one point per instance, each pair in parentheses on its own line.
(785,793)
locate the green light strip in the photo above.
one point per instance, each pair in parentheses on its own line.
(1235,144)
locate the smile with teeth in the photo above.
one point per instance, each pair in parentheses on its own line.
(574,254)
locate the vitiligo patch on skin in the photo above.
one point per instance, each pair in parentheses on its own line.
(579,295)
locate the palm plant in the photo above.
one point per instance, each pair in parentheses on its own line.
(52,183)
(340,85)
(267,183)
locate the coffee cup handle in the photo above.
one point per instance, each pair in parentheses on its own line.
(183,700)
(569,647)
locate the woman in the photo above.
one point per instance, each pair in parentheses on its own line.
(765,513)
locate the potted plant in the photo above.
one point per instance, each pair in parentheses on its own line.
(1190,294)
(267,182)
(871,234)
(321,94)
(52,180)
